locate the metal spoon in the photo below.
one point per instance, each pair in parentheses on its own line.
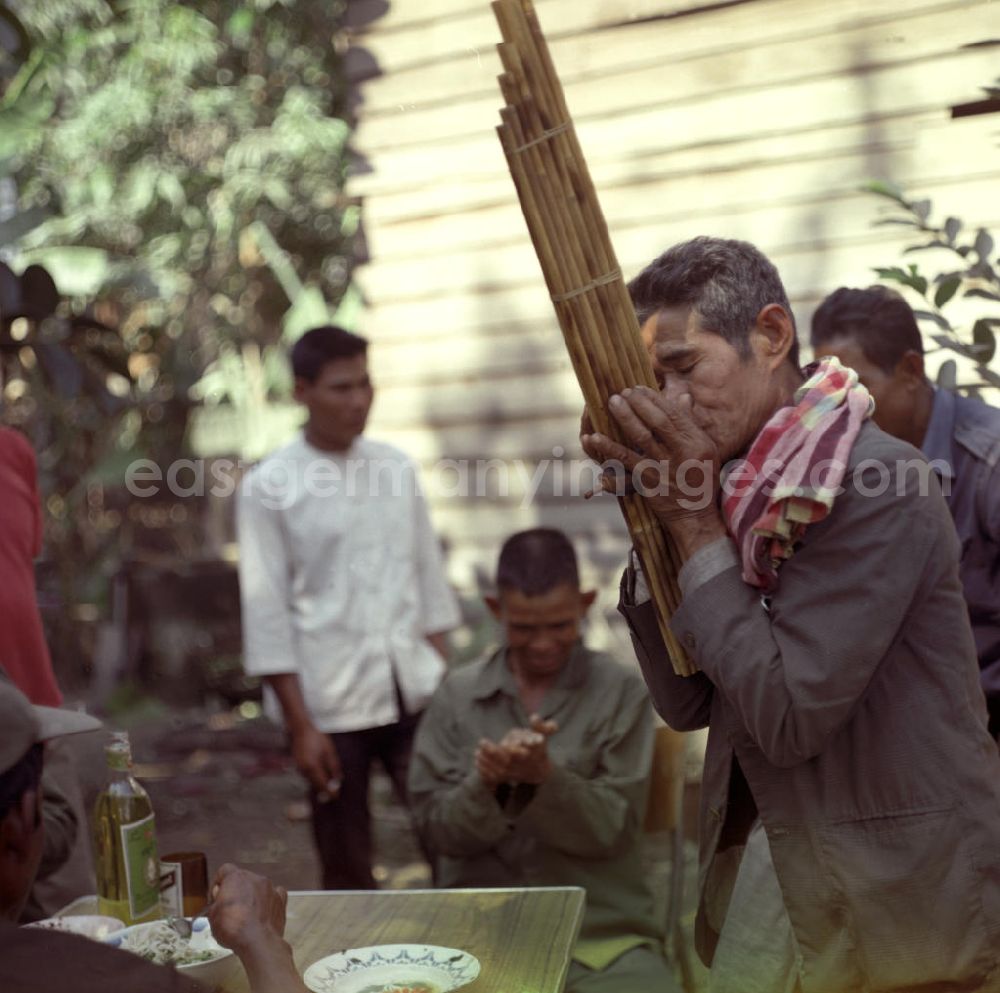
(182,925)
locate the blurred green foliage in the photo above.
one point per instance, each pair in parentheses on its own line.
(964,267)
(178,168)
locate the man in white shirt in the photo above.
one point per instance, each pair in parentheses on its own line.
(345,603)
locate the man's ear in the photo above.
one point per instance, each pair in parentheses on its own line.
(910,370)
(587,598)
(773,335)
(300,388)
(495,606)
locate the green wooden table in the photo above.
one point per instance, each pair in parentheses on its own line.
(522,937)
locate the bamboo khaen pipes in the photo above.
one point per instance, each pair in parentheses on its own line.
(570,237)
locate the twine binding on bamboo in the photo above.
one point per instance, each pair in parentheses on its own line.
(594,284)
(547,135)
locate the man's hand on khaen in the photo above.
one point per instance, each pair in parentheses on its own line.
(669,457)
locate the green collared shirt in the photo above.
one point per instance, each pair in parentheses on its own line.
(579,828)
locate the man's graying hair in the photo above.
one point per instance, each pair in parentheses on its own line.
(727,282)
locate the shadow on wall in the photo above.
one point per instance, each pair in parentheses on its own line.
(880,160)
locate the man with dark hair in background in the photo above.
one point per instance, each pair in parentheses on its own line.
(874,331)
(345,602)
(531,768)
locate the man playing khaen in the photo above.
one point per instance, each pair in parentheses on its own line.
(850,811)
(531,768)
(345,603)
(875,332)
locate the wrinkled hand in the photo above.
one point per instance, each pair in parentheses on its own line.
(615,478)
(520,757)
(528,747)
(247,914)
(671,460)
(492,764)
(245,910)
(317,759)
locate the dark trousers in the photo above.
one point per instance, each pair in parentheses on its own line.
(342,826)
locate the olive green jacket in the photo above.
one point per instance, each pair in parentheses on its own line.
(579,828)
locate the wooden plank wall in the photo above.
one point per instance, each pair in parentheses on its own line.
(755,119)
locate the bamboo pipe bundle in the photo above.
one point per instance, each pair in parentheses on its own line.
(570,237)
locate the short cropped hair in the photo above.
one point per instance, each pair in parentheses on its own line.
(727,282)
(536,561)
(877,319)
(321,345)
(22,777)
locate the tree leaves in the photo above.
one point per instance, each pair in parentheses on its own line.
(975,279)
(885,188)
(983,245)
(905,277)
(929,315)
(947,288)
(947,377)
(984,339)
(308,310)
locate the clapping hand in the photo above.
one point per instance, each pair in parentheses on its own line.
(520,757)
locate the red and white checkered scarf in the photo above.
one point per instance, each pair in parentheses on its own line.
(794,469)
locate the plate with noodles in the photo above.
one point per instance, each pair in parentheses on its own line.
(393,969)
(199,957)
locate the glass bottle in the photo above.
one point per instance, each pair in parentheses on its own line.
(127,864)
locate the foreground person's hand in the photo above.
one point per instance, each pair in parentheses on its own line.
(247,914)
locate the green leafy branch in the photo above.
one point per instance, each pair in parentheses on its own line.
(970,272)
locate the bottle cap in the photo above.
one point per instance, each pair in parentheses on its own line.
(119,750)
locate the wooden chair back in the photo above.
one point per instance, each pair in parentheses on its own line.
(666,782)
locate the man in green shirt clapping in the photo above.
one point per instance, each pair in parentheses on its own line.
(531,768)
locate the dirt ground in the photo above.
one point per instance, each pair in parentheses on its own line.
(225,786)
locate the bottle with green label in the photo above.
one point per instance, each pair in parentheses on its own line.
(128,866)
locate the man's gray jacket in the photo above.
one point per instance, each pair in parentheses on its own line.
(846,713)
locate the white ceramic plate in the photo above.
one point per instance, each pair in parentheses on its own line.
(393,969)
(94,926)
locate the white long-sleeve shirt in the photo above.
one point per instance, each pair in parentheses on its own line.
(341,579)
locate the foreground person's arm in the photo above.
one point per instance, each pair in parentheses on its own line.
(247,914)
